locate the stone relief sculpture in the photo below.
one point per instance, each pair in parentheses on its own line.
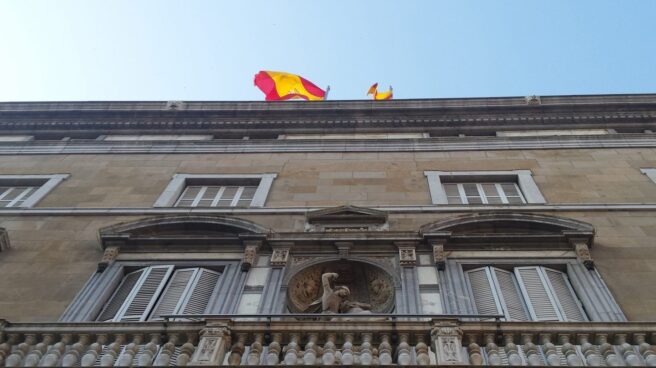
(341,287)
(335,298)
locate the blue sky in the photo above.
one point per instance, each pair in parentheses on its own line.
(210,50)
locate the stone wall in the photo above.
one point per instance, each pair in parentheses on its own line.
(52,256)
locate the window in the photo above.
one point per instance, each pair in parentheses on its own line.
(483,193)
(356,136)
(531,293)
(26,190)
(221,190)
(156,137)
(151,292)
(483,187)
(216,196)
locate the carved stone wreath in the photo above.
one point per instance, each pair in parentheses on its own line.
(368,284)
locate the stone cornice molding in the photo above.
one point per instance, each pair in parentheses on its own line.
(435,144)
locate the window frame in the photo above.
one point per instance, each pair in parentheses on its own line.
(91,300)
(44,184)
(171,194)
(528,189)
(594,297)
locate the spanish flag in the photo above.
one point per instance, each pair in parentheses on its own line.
(373,90)
(278,86)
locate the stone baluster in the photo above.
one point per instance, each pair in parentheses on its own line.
(591,357)
(474,350)
(531,350)
(292,350)
(16,358)
(38,351)
(647,351)
(168,349)
(273,356)
(186,352)
(492,350)
(569,351)
(347,350)
(512,351)
(366,352)
(56,351)
(629,355)
(255,352)
(384,350)
(130,351)
(421,350)
(5,347)
(608,352)
(311,352)
(549,349)
(74,354)
(145,359)
(112,351)
(237,350)
(93,351)
(329,348)
(403,351)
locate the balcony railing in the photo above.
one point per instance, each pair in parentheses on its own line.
(328,340)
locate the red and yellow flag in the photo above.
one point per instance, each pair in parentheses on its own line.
(279,86)
(373,90)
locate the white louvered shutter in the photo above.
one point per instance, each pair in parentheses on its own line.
(188,292)
(509,296)
(566,299)
(482,287)
(537,295)
(142,298)
(198,296)
(173,295)
(120,295)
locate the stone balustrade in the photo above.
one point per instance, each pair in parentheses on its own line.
(356,341)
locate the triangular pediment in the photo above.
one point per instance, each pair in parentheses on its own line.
(347,214)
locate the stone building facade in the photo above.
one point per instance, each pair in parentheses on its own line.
(494,231)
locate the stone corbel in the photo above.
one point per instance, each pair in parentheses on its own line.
(279,257)
(581,245)
(211,347)
(447,341)
(344,248)
(108,257)
(4,240)
(407,254)
(250,254)
(439,256)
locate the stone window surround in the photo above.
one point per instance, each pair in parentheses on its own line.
(523,178)
(99,288)
(46,183)
(178,183)
(588,285)
(651,173)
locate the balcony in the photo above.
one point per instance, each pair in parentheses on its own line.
(326,340)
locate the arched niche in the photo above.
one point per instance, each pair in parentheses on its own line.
(369,283)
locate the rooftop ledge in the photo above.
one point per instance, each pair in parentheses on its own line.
(429,103)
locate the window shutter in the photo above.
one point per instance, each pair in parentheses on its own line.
(172,297)
(510,297)
(483,291)
(565,296)
(143,296)
(541,303)
(199,294)
(120,295)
